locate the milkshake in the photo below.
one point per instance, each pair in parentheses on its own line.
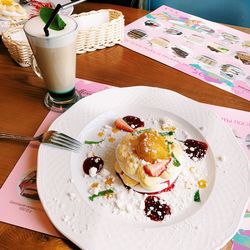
(56,59)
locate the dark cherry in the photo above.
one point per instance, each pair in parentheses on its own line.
(155,208)
(133,121)
(94,161)
(23,2)
(195,149)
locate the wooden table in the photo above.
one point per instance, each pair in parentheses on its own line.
(22,109)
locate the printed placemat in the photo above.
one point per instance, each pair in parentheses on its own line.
(211,52)
(20,203)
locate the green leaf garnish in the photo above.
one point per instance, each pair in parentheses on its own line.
(57,24)
(168,146)
(101,193)
(176,163)
(93,142)
(169,133)
(197,197)
(141,131)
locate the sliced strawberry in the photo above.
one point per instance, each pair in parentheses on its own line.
(121,124)
(156,169)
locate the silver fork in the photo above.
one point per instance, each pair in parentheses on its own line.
(50,137)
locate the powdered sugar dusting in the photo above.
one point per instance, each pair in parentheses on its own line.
(129,204)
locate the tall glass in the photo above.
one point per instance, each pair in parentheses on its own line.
(55,56)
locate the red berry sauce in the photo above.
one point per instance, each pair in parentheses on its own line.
(93,162)
(133,121)
(167,189)
(155,208)
(195,149)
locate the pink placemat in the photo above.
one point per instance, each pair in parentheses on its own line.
(211,52)
(20,204)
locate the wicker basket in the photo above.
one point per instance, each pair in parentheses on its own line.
(101,36)
(20,51)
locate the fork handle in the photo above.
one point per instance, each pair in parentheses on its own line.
(17,137)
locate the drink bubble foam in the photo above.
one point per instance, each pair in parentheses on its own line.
(57,38)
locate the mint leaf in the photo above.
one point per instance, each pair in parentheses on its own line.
(176,163)
(197,197)
(168,146)
(101,193)
(169,133)
(138,132)
(93,142)
(57,24)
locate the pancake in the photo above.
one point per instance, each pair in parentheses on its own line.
(148,162)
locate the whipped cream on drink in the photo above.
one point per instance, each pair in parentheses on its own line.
(55,54)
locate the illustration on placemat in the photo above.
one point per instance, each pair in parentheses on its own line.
(160,42)
(247,140)
(27,186)
(151,23)
(243,56)
(173,31)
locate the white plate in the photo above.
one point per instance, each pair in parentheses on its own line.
(5,24)
(207,225)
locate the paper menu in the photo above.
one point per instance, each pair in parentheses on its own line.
(209,51)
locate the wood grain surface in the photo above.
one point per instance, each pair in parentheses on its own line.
(22,109)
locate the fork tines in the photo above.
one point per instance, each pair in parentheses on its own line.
(65,141)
